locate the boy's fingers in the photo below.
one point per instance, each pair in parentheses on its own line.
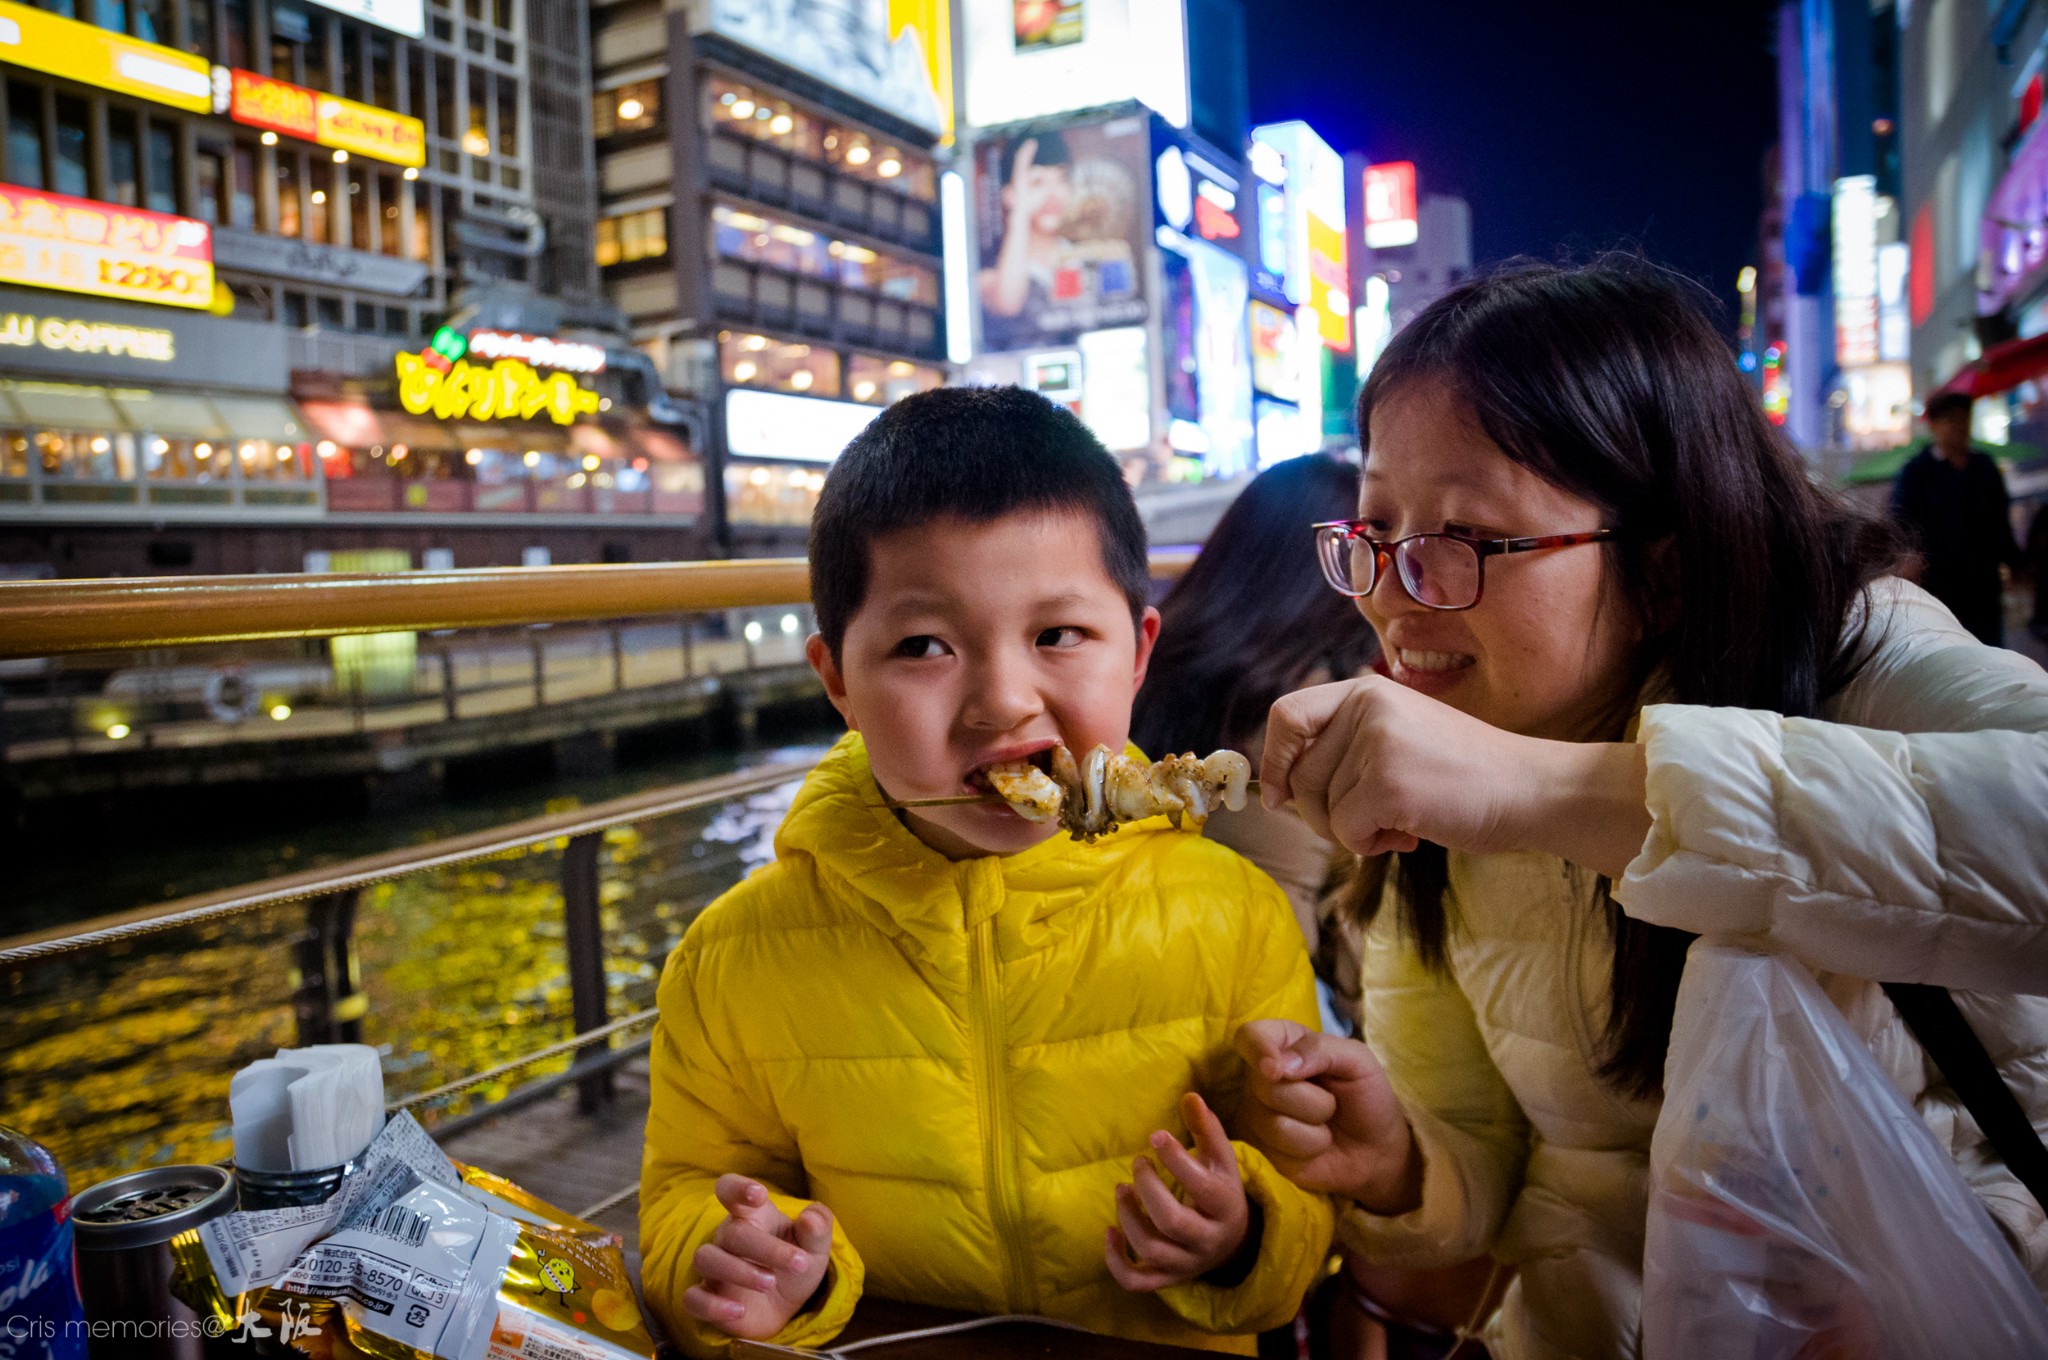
(1148,1245)
(1137,1279)
(1265,1045)
(1174,1220)
(814,1230)
(764,1249)
(1179,1161)
(717,1264)
(1300,1100)
(705,1306)
(742,1196)
(1212,1143)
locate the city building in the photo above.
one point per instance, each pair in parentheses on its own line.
(1975,198)
(1833,367)
(228,229)
(1412,248)
(1303,318)
(770,225)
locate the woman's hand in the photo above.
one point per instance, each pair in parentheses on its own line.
(1323,1111)
(1377,767)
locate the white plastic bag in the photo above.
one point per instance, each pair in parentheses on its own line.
(1798,1205)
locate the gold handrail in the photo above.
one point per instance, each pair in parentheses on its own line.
(46,618)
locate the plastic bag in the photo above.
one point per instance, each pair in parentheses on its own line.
(1798,1205)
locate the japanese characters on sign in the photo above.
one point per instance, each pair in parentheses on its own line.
(431,384)
(279,106)
(54,241)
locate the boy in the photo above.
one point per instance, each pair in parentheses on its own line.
(951,1028)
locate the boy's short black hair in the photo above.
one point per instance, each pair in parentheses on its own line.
(973,453)
(1946,404)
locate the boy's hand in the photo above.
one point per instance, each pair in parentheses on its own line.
(761,1266)
(1163,1240)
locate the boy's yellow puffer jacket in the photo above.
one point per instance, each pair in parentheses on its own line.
(962,1059)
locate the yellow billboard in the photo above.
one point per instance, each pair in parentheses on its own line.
(93,56)
(53,241)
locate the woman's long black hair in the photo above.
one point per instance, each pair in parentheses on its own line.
(1252,619)
(1609,382)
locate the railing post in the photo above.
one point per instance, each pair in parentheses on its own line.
(448,682)
(583,932)
(689,661)
(326,997)
(540,671)
(618,660)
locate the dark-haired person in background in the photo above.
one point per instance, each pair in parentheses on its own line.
(1648,681)
(1251,621)
(1950,499)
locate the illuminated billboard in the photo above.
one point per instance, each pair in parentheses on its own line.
(776,425)
(429,383)
(1276,366)
(72,244)
(1390,215)
(1310,220)
(1208,361)
(400,16)
(1032,58)
(1855,270)
(343,124)
(1063,219)
(108,61)
(894,54)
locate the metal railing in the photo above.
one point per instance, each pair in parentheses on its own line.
(43,618)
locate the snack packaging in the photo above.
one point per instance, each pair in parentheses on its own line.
(417,1256)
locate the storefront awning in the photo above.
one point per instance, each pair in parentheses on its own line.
(271,418)
(179,415)
(61,406)
(2002,368)
(139,410)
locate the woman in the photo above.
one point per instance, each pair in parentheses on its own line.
(1251,621)
(1646,680)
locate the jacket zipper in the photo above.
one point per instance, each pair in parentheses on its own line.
(1005,1202)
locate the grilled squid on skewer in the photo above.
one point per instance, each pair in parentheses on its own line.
(1096,794)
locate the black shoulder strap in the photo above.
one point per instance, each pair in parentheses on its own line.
(1931,1013)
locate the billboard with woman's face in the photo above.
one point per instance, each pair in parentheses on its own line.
(1062,220)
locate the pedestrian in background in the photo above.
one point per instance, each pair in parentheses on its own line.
(1251,621)
(1951,500)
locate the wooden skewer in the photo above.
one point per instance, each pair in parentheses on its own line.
(990,797)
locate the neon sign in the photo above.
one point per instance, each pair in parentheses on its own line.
(539,350)
(311,116)
(430,384)
(72,244)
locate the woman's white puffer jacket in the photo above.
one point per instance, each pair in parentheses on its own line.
(1902,836)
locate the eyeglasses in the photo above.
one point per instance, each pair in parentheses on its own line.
(1439,571)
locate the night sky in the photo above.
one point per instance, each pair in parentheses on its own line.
(1570,127)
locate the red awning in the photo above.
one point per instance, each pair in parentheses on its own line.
(2002,368)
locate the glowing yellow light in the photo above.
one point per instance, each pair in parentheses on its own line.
(159,446)
(863,390)
(631,108)
(202,450)
(341,158)
(591,462)
(901,368)
(781,123)
(757,342)
(319,195)
(270,139)
(759,476)
(1745,282)
(576,481)
(890,168)
(398,450)
(754,631)
(532,458)
(789,624)
(477,142)
(801,380)
(857,154)
(743,108)
(247,451)
(743,371)
(100,445)
(473,457)
(279,712)
(327,448)
(118,731)
(284,453)
(412,172)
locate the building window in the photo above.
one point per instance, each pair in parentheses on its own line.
(736,108)
(446,97)
(210,186)
(124,159)
(508,119)
(163,168)
(387,214)
(880,382)
(290,207)
(630,108)
(383,72)
(757,361)
(242,201)
(235,16)
(152,20)
(632,236)
(111,15)
(328,310)
(319,212)
(25,135)
(757,239)
(295,310)
(199,29)
(359,233)
(71,148)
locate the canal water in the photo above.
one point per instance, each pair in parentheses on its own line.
(120,1057)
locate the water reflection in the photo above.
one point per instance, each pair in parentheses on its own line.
(121,1057)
